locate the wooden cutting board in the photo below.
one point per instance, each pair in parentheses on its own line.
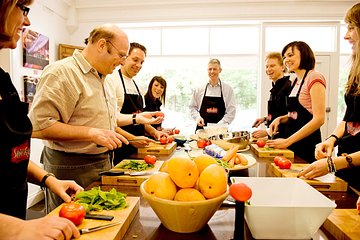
(157,148)
(112,233)
(264,153)
(128,180)
(338,185)
(343,224)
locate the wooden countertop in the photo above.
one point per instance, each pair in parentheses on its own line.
(146,225)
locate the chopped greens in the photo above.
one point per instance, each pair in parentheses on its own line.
(268,148)
(222,163)
(135,165)
(97,200)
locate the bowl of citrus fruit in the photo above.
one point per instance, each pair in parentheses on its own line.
(186,193)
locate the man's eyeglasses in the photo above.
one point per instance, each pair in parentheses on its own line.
(23,8)
(121,56)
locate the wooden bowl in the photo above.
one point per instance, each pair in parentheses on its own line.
(183,217)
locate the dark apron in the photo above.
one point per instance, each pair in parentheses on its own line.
(216,103)
(153,105)
(277,103)
(350,143)
(133,103)
(15,133)
(305,148)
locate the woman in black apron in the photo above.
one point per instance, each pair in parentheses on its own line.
(305,147)
(212,109)
(15,134)
(302,127)
(15,129)
(347,134)
(152,103)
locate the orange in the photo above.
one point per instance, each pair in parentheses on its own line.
(213,181)
(164,167)
(183,171)
(188,194)
(160,185)
(203,161)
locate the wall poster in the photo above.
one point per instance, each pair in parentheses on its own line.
(36,49)
(30,88)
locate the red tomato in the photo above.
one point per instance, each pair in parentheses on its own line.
(208,142)
(74,212)
(284,163)
(170,139)
(240,192)
(176,131)
(201,143)
(260,143)
(150,159)
(163,140)
(159,114)
(276,160)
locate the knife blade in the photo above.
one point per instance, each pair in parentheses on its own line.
(130,173)
(99,217)
(93,229)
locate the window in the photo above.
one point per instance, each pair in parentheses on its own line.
(319,38)
(182,60)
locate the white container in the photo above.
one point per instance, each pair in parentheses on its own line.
(284,208)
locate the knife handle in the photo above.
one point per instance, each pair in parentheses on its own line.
(111,173)
(99,217)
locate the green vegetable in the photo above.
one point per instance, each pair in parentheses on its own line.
(135,165)
(268,148)
(97,200)
(222,163)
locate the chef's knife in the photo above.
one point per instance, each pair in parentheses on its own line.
(130,173)
(93,229)
(99,217)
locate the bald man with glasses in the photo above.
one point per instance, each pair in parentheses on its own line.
(74,110)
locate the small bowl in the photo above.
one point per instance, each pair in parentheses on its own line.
(183,217)
(180,141)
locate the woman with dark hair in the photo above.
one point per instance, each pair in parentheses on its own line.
(16,170)
(305,104)
(347,134)
(155,96)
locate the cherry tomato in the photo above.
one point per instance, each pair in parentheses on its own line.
(170,139)
(201,143)
(260,143)
(276,159)
(176,131)
(150,159)
(240,192)
(74,212)
(163,140)
(159,114)
(284,163)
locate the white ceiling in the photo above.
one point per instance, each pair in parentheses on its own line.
(205,10)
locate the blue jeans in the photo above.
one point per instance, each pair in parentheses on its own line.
(82,168)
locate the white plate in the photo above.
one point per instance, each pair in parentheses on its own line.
(193,145)
(251,162)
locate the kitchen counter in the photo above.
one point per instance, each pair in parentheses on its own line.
(146,225)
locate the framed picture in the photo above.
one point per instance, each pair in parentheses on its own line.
(36,49)
(30,88)
(66,50)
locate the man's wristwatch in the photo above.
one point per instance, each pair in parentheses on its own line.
(134,119)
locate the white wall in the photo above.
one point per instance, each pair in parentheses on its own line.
(45,21)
